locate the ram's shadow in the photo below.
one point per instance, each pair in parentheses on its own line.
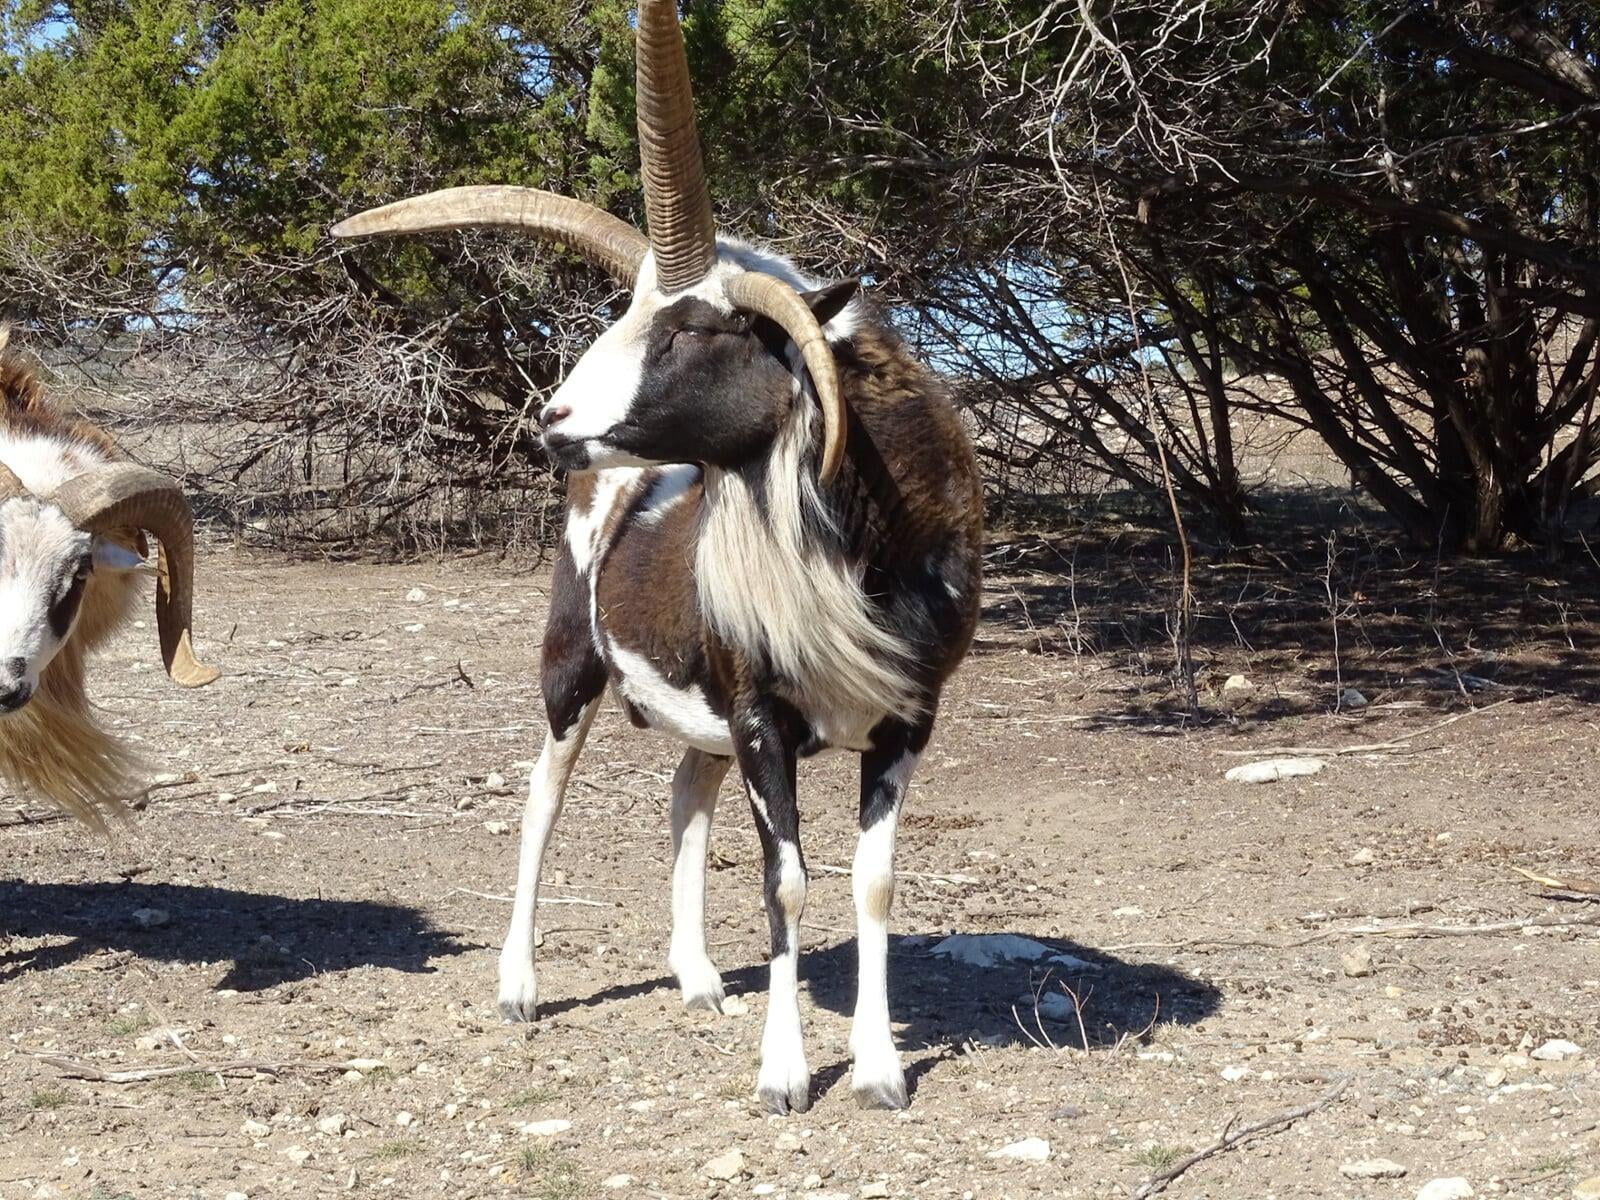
(269,939)
(943,1002)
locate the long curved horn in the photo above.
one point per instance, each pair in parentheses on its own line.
(125,495)
(10,485)
(676,201)
(772,297)
(608,242)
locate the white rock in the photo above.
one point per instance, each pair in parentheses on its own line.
(334,1126)
(1589,1189)
(234,1196)
(255,1129)
(1234,1074)
(497,828)
(151,918)
(1030,1149)
(545,1128)
(404,1119)
(735,1006)
(1450,1188)
(1357,963)
(876,1190)
(1557,1050)
(726,1167)
(992,949)
(1270,770)
(788,1143)
(1238,683)
(297,1155)
(416,596)
(1351,698)
(365,1064)
(1494,1078)
(1363,857)
(615,1183)
(1372,1168)
(494,781)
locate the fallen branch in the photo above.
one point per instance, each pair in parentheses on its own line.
(76,1068)
(1411,930)
(1586,888)
(1231,1137)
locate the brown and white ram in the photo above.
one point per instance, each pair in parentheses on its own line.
(772,548)
(73,519)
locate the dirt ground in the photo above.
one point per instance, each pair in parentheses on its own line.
(330,849)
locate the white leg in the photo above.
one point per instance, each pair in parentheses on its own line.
(784,1081)
(694,800)
(519,988)
(877,1080)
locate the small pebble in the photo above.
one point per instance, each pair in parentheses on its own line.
(726,1167)
(1556,1050)
(334,1126)
(1373,1168)
(615,1183)
(1357,963)
(1451,1188)
(1033,1149)
(735,1006)
(151,918)
(497,828)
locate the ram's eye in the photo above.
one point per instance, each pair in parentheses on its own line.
(84,568)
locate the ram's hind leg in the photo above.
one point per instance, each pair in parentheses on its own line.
(572,679)
(877,1080)
(694,800)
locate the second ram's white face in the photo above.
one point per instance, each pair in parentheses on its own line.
(45,564)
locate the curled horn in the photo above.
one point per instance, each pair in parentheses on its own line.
(125,495)
(771,297)
(10,485)
(609,243)
(676,199)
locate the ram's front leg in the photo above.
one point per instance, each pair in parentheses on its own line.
(519,988)
(766,752)
(877,1079)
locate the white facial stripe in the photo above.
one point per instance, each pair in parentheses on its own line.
(39,548)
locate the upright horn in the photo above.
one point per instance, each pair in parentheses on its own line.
(676,199)
(125,495)
(608,242)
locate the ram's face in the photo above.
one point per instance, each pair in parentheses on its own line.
(45,566)
(682,378)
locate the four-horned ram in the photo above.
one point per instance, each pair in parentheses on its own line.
(808,581)
(73,520)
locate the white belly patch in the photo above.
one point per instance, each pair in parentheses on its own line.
(683,713)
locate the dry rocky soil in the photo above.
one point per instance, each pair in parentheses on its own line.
(292,948)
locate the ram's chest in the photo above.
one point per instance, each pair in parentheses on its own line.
(633,544)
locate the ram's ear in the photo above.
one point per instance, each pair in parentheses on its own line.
(828,302)
(114,556)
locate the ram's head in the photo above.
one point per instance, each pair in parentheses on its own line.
(720,341)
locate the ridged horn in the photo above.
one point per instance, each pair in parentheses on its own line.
(676,199)
(10,486)
(773,298)
(124,496)
(607,241)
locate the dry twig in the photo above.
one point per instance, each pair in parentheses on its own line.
(1231,1137)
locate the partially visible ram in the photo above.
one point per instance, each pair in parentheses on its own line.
(74,517)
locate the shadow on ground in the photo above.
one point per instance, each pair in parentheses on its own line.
(939,1004)
(1326,598)
(269,939)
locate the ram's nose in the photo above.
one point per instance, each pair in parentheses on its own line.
(15,690)
(553,414)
